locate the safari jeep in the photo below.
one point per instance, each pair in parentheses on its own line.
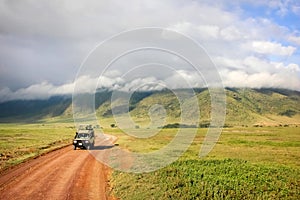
(84,138)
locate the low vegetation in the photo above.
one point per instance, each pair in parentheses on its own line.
(246,163)
(288,113)
(19,142)
(210,179)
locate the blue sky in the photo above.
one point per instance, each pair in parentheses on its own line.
(43,43)
(284,14)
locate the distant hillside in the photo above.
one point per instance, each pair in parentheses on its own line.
(248,107)
(245,107)
(33,110)
(262,107)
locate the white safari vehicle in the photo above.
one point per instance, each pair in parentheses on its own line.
(85,137)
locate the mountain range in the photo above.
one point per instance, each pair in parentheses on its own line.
(244,107)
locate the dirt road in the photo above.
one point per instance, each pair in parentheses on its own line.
(61,174)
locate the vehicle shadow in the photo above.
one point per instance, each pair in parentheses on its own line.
(103,147)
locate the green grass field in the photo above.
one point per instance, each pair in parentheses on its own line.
(19,142)
(210,179)
(246,163)
(278,145)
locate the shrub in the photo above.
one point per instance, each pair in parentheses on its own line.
(288,113)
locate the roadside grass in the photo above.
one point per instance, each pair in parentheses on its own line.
(246,163)
(278,145)
(275,145)
(210,179)
(19,142)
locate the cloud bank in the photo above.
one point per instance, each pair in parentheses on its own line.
(43,43)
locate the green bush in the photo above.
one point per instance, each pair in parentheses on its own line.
(288,113)
(177,125)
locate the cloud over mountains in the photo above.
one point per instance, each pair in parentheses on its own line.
(43,43)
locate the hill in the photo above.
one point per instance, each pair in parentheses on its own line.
(33,110)
(244,107)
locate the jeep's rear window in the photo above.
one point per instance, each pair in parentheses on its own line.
(82,135)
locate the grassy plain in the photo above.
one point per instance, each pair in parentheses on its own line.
(279,145)
(19,142)
(246,163)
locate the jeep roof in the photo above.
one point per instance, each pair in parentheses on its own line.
(85,127)
(84,131)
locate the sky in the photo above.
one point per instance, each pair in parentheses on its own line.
(43,43)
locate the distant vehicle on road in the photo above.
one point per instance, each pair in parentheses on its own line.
(85,137)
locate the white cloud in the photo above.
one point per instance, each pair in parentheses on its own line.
(294,39)
(266,47)
(254,64)
(280,7)
(87,84)
(243,76)
(199,31)
(256,72)
(208,31)
(296,9)
(293,67)
(260,79)
(39,56)
(37,91)
(143,84)
(231,33)
(250,64)
(228,62)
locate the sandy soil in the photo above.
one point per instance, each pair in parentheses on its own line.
(61,174)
